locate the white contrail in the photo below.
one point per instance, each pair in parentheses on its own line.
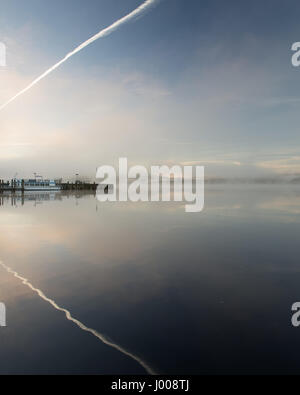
(68,315)
(105,32)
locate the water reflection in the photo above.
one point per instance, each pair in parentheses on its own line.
(39,197)
(188,293)
(69,317)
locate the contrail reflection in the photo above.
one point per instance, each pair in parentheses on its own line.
(78,323)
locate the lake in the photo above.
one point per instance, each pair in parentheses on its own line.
(148,287)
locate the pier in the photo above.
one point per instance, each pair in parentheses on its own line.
(78,186)
(13,186)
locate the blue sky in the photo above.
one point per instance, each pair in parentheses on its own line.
(190,81)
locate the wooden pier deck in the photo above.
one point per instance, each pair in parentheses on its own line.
(78,186)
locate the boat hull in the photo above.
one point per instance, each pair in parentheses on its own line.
(42,189)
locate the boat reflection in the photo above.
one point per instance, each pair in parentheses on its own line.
(17,199)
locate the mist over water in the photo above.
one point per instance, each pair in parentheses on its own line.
(198,293)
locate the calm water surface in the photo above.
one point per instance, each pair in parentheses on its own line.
(183,293)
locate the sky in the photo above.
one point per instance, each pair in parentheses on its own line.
(190,82)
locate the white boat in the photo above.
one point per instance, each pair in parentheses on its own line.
(38,185)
